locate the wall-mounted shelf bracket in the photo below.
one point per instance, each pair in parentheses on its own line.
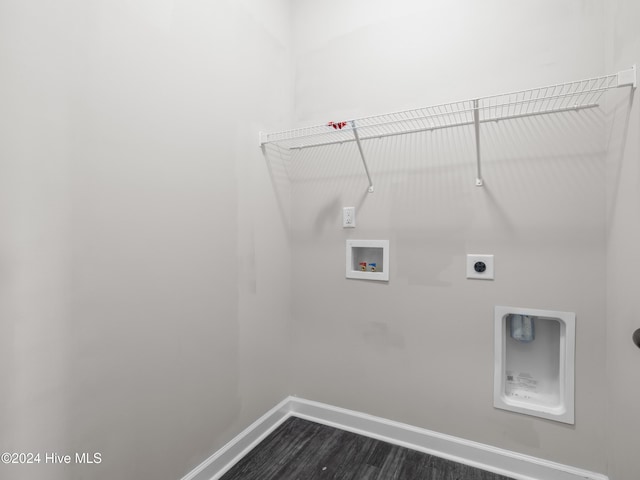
(364,161)
(476,123)
(628,78)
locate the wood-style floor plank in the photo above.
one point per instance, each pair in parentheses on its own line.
(303,450)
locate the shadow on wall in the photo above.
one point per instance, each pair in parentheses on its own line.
(425,192)
(620,116)
(278,160)
(558,143)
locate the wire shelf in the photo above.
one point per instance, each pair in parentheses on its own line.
(570,96)
(378,126)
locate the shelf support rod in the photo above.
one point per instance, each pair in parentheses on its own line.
(364,162)
(476,123)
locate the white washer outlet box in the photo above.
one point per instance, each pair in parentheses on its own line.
(480,266)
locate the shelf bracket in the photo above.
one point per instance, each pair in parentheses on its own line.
(628,78)
(476,123)
(364,162)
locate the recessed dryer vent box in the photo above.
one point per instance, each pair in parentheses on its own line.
(368,259)
(534,362)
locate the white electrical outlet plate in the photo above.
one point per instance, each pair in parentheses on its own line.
(480,267)
(349,217)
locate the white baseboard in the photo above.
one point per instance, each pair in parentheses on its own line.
(217,464)
(486,457)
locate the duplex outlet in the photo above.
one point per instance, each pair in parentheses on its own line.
(349,217)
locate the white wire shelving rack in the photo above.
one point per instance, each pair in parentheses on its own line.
(563,97)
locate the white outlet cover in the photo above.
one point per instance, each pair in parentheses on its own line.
(349,217)
(472,272)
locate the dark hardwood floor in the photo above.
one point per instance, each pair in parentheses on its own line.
(303,450)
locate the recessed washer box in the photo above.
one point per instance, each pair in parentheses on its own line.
(368,259)
(534,362)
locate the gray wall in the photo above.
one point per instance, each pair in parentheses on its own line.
(420,348)
(143,303)
(151,260)
(623,238)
